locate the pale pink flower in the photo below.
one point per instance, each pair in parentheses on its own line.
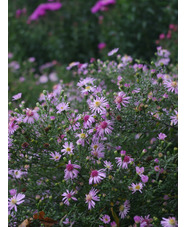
(171,86)
(55,156)
(71,171)
(144,178)
(67,196)
(91,198)
(113,51)
(161,136)
(12,125)
(17,96)
(68,148)
(124,209)
(62,107)
(31,115)
(123,163)
(15,200)
(121,99)
(108,165)
(139,170)
(97,176)
(174,118)
(98,154)
(157,168)
(105,219)
(105,127)
(98,105)
(136,187)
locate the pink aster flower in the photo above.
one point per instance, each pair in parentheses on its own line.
(17,96)
(62,107)
(68,196)
(71,171)
(88,121)
(113,51)
(139,170)
(124,209)
(15,200)
(98,154)
(136,187)
(97,176)
(13,192)
(161,136)
(12,125)
(113,224)
(171,86)
(55,156)
(105,127)
(121,99)
(18,173)
(144,178)
(101,46)
(98,105)
(105,219)
(91,198)
(123,162)
(68,148)
(169,222)
(96,145)
(146,221)
(174,118)
(157,168)
(108,165)
(31,115)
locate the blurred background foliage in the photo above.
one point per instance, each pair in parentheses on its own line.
(73,32)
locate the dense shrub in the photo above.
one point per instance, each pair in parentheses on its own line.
(102,152)
(73,32)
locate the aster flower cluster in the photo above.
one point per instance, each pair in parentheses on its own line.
(102,158)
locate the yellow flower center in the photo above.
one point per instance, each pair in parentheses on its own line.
(174,84)
(88,197)
(68,149)
(14,201)
(56,157)
(171,221)
(82,135)
(95,147)
(62,107)
(137,187)
(88,88)
(97,103)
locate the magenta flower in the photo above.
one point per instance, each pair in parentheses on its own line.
(144,178)
(98,105)
(97,176)
(101,4)
(68,148)
(68,196)
(12,126)
(101,46)
(31,115)
(157,168)
(137,219)
(105,127)
(91,198)
(55,156)
(113,224)
(13,192)
(71,171)
(15,200)
(62,107)
(105,219)
(161,136)
(124,209)
(123,163)
(88,121)
(17,96)
(146,221)
(121,99)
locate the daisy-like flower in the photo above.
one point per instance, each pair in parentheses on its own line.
(98,105)
(62,107)
(171,86)
(15,200)
(68,148)
(98,154)
(105,219)
(91,198)
(124,209)
(113,51)
(82,136)
(146,221)
(12,126)
(68,196)
(161,136)
(121,99)
(139,170)
(136,187)
(124,163)
(157,168)
(87,89)
(85,82)
(174,118)
(71,171)
(31,115)
(97,176)
(55,156)
(17,96)
(105,127)
(88,120)
(96,145)
(108,165)
(169,222)
(18,173)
